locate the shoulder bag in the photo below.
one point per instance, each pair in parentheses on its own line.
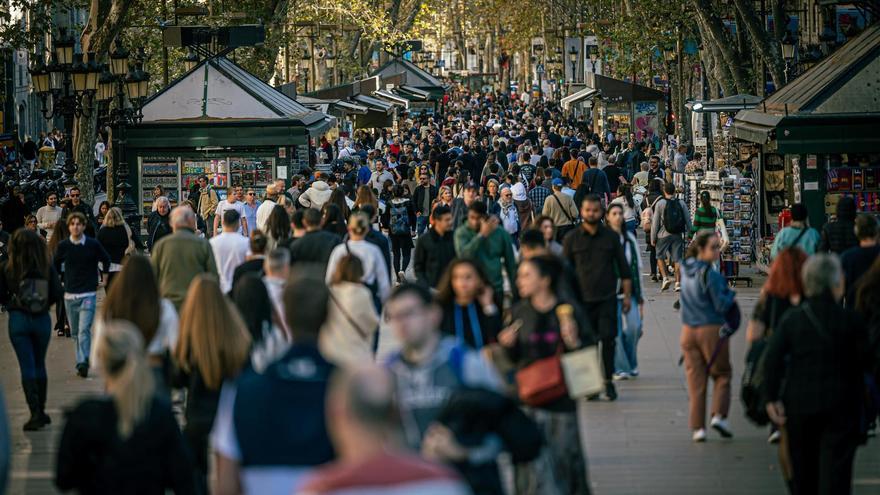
(583,372)
(542,382)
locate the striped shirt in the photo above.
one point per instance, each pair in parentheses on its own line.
(538,195)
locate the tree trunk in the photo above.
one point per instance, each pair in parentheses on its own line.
(106,18)
(767,48)
(716,33)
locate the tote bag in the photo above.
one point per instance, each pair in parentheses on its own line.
(583,372)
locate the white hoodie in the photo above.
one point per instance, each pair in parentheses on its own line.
(316,195)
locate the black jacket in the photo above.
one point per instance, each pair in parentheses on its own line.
(314,247)
(8,291)
(115,242)
(433,254)
(838,236)
(157,228)
(819,349)
(418,198)
(85,210)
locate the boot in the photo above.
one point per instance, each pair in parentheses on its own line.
(33,401)
(42,385)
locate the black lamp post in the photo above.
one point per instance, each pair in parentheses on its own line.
(573,59)
(124,88)
(788,47)
(70,82)
(594,56)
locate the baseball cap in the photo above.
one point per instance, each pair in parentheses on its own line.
(557,182)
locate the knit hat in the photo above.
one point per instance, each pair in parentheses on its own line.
(519,192)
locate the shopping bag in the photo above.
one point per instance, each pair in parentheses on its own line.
(583,372)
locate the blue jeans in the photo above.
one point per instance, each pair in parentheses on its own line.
(421,224)
(629,328)
(81,313)
(30,335)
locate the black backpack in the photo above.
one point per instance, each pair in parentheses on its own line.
(33,295)
(673,217)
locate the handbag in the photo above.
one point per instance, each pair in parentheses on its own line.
(541,382)
(583,372)
(130,249)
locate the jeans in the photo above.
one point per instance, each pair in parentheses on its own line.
(631,226)
(629,330)
(421,224)
(30,335)
(80,313)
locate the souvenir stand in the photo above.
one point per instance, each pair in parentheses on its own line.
(817,138)
(734,197)
(220,121)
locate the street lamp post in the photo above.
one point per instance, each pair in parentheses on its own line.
(70,82)
(573,58)
(788,47)
(594,56)
(124,87)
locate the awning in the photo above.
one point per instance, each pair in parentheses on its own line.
(579,96)
(414,91)
(754,126)
(393,98)
(351,107)
(374,104)
(728,104)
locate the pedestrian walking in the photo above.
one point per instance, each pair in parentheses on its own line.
(178,258)
(669,224)
(83,259)
(856,261)
(545,326)
(159,222)
(561,209)
(48,215)
(266,207)
(423,197)
(251,207)
(598,258)
(231,203)
(316,244)
(360,408)
(131,435)
(137,301)
(278,232)
(631,211)
(347,336)
(255,258)
(524,207)
(230,249)
(401,221)
(270,432)
(435,249)
(75,204)
(839,235)
(115,237)
(207,201)
(706,301)
(375,270)
(213,346)
(629,324)
(492,247)
(29,285)
(820,350)
(798,234)
(470,314)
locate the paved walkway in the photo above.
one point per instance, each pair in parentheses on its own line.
(637,445)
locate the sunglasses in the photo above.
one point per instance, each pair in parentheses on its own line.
(250,194)
(74,195)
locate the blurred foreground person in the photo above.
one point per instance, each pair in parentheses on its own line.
(364,428)
(128,441)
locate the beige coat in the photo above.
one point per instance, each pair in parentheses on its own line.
(557,209)
(339,341)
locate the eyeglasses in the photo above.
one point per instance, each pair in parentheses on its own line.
(250,194)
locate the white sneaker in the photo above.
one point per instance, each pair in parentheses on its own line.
(721,426)
(620,375)
(774,437)
(666,283)
(634,373)
(677,287)
(699,436)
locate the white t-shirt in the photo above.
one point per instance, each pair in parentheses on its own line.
(375,270)
(230,250)
(99,152)
(263,213)
(225,205)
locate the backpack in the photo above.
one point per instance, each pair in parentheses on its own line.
(673,217)
(399,219)
(33,295)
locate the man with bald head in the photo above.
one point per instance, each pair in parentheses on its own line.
(179,257)
(363,425)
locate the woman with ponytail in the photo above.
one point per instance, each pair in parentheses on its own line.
(143,451)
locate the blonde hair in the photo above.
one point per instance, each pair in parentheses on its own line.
(120,351)
(113,218)
(213,336)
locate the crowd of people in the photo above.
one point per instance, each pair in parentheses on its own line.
(496,240)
